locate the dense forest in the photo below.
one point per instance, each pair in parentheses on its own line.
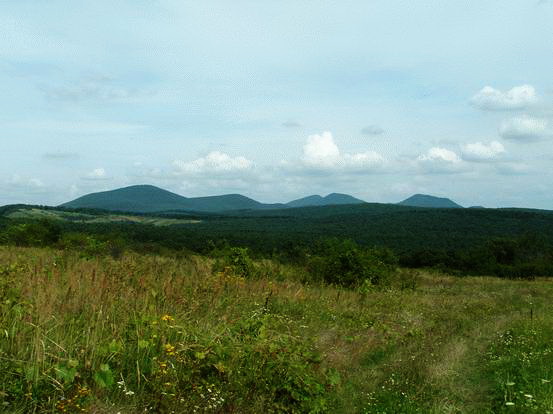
(503,242)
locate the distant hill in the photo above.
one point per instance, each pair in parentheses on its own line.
(137,198)
(331,199)
(423,200)
(148,199)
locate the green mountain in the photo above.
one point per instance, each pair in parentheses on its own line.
(137,198)
(148,199)
(331,199)
(423,200)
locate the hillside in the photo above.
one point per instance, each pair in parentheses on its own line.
(423,200)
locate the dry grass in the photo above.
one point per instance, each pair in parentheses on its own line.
(426,343)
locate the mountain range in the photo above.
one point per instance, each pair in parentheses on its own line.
(150,199)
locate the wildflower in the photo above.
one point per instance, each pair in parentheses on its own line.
(167,318)
(169,349)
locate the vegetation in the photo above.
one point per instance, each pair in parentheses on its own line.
(259,312)
(187,334)
(504,243)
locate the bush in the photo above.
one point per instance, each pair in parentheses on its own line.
(344,263)
(90,247)
(34,233)
(235,261)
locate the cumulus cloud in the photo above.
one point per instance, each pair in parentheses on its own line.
(519,97)
(439,160)
(213,163)
(440,154)
(320,152)
(479,151)
(98,174)
(524,128)
(372,130)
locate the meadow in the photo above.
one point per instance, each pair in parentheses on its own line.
(183,334)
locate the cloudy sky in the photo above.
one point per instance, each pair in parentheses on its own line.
(278,99)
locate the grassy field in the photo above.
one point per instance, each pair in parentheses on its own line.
(36,213)
(158,334)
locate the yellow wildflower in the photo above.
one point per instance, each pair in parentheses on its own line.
(169,349)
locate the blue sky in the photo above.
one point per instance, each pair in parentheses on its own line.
(278,99)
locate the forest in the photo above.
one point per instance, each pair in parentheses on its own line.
(514,243)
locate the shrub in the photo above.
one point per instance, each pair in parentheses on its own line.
(236,261)
(344,263)
(34,233)
(90,247)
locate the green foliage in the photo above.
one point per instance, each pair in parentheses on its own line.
(104,377)
(32,233)
(520,364)
(161,334)
(344,263)
(465,241)
(524,257)
(254,361)
(235,261)
(89,246)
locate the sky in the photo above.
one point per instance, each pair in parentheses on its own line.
(278,100)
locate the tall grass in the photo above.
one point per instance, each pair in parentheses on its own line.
(159,334)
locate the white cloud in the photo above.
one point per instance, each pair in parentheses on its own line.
(524,128)
(441,155)
(479,151)
(320,152)
(213,163)
(519,97)
(98,174)
(439,160)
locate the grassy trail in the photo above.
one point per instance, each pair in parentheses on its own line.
(161,335)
